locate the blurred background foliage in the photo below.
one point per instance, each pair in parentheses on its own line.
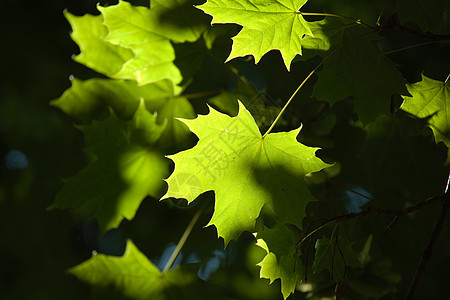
(39,146)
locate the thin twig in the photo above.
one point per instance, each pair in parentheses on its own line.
(384,211)
(412,46)
(376,210)
(182,240)
(424,260)
(358,21)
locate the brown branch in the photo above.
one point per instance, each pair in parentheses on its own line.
(382,211)
(429,249)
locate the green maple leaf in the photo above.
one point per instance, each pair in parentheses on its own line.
(177,20)
(267,25)
(357,69)
(129,27)
(431,100)
(324,34)
(89,33)
(244,170)
(92,99)
(133,275)
(126,167)
(334,255)
(148,33)
(282,260)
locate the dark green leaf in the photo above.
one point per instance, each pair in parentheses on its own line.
(125,169)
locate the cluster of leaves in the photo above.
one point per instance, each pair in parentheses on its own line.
(173,121)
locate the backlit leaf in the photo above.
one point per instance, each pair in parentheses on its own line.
(267,25)
(148,33)
(93,99)
(282,260)
(133,275)
(89,33)
(125,169)
(431,100)
(244,170)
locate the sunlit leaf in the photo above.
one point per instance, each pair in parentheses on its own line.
(135,276)
(282,260)
(431,100)
(267,25)
(244,170)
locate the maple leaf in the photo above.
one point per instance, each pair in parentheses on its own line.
(92,99)
(324,32)
(245,170)
(88,100)
(357,69)
(431,100)
(148,33)
(126,168)
(267,25)
(89,33)
(134,275)
(107,188)
(282,260)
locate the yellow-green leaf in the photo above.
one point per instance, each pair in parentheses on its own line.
(267,25)
(245,170)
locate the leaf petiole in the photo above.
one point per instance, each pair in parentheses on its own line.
(412,46)
(182,240)
(305,80)
(358,21)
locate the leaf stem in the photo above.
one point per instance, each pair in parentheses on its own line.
(358,21)
(182,240)
(295,93)
(306,79)
(311,233)
(412,46)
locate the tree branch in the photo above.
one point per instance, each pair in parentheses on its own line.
(382,211)
(429,249)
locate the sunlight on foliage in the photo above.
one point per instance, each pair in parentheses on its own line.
(244,170)
(267,25)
